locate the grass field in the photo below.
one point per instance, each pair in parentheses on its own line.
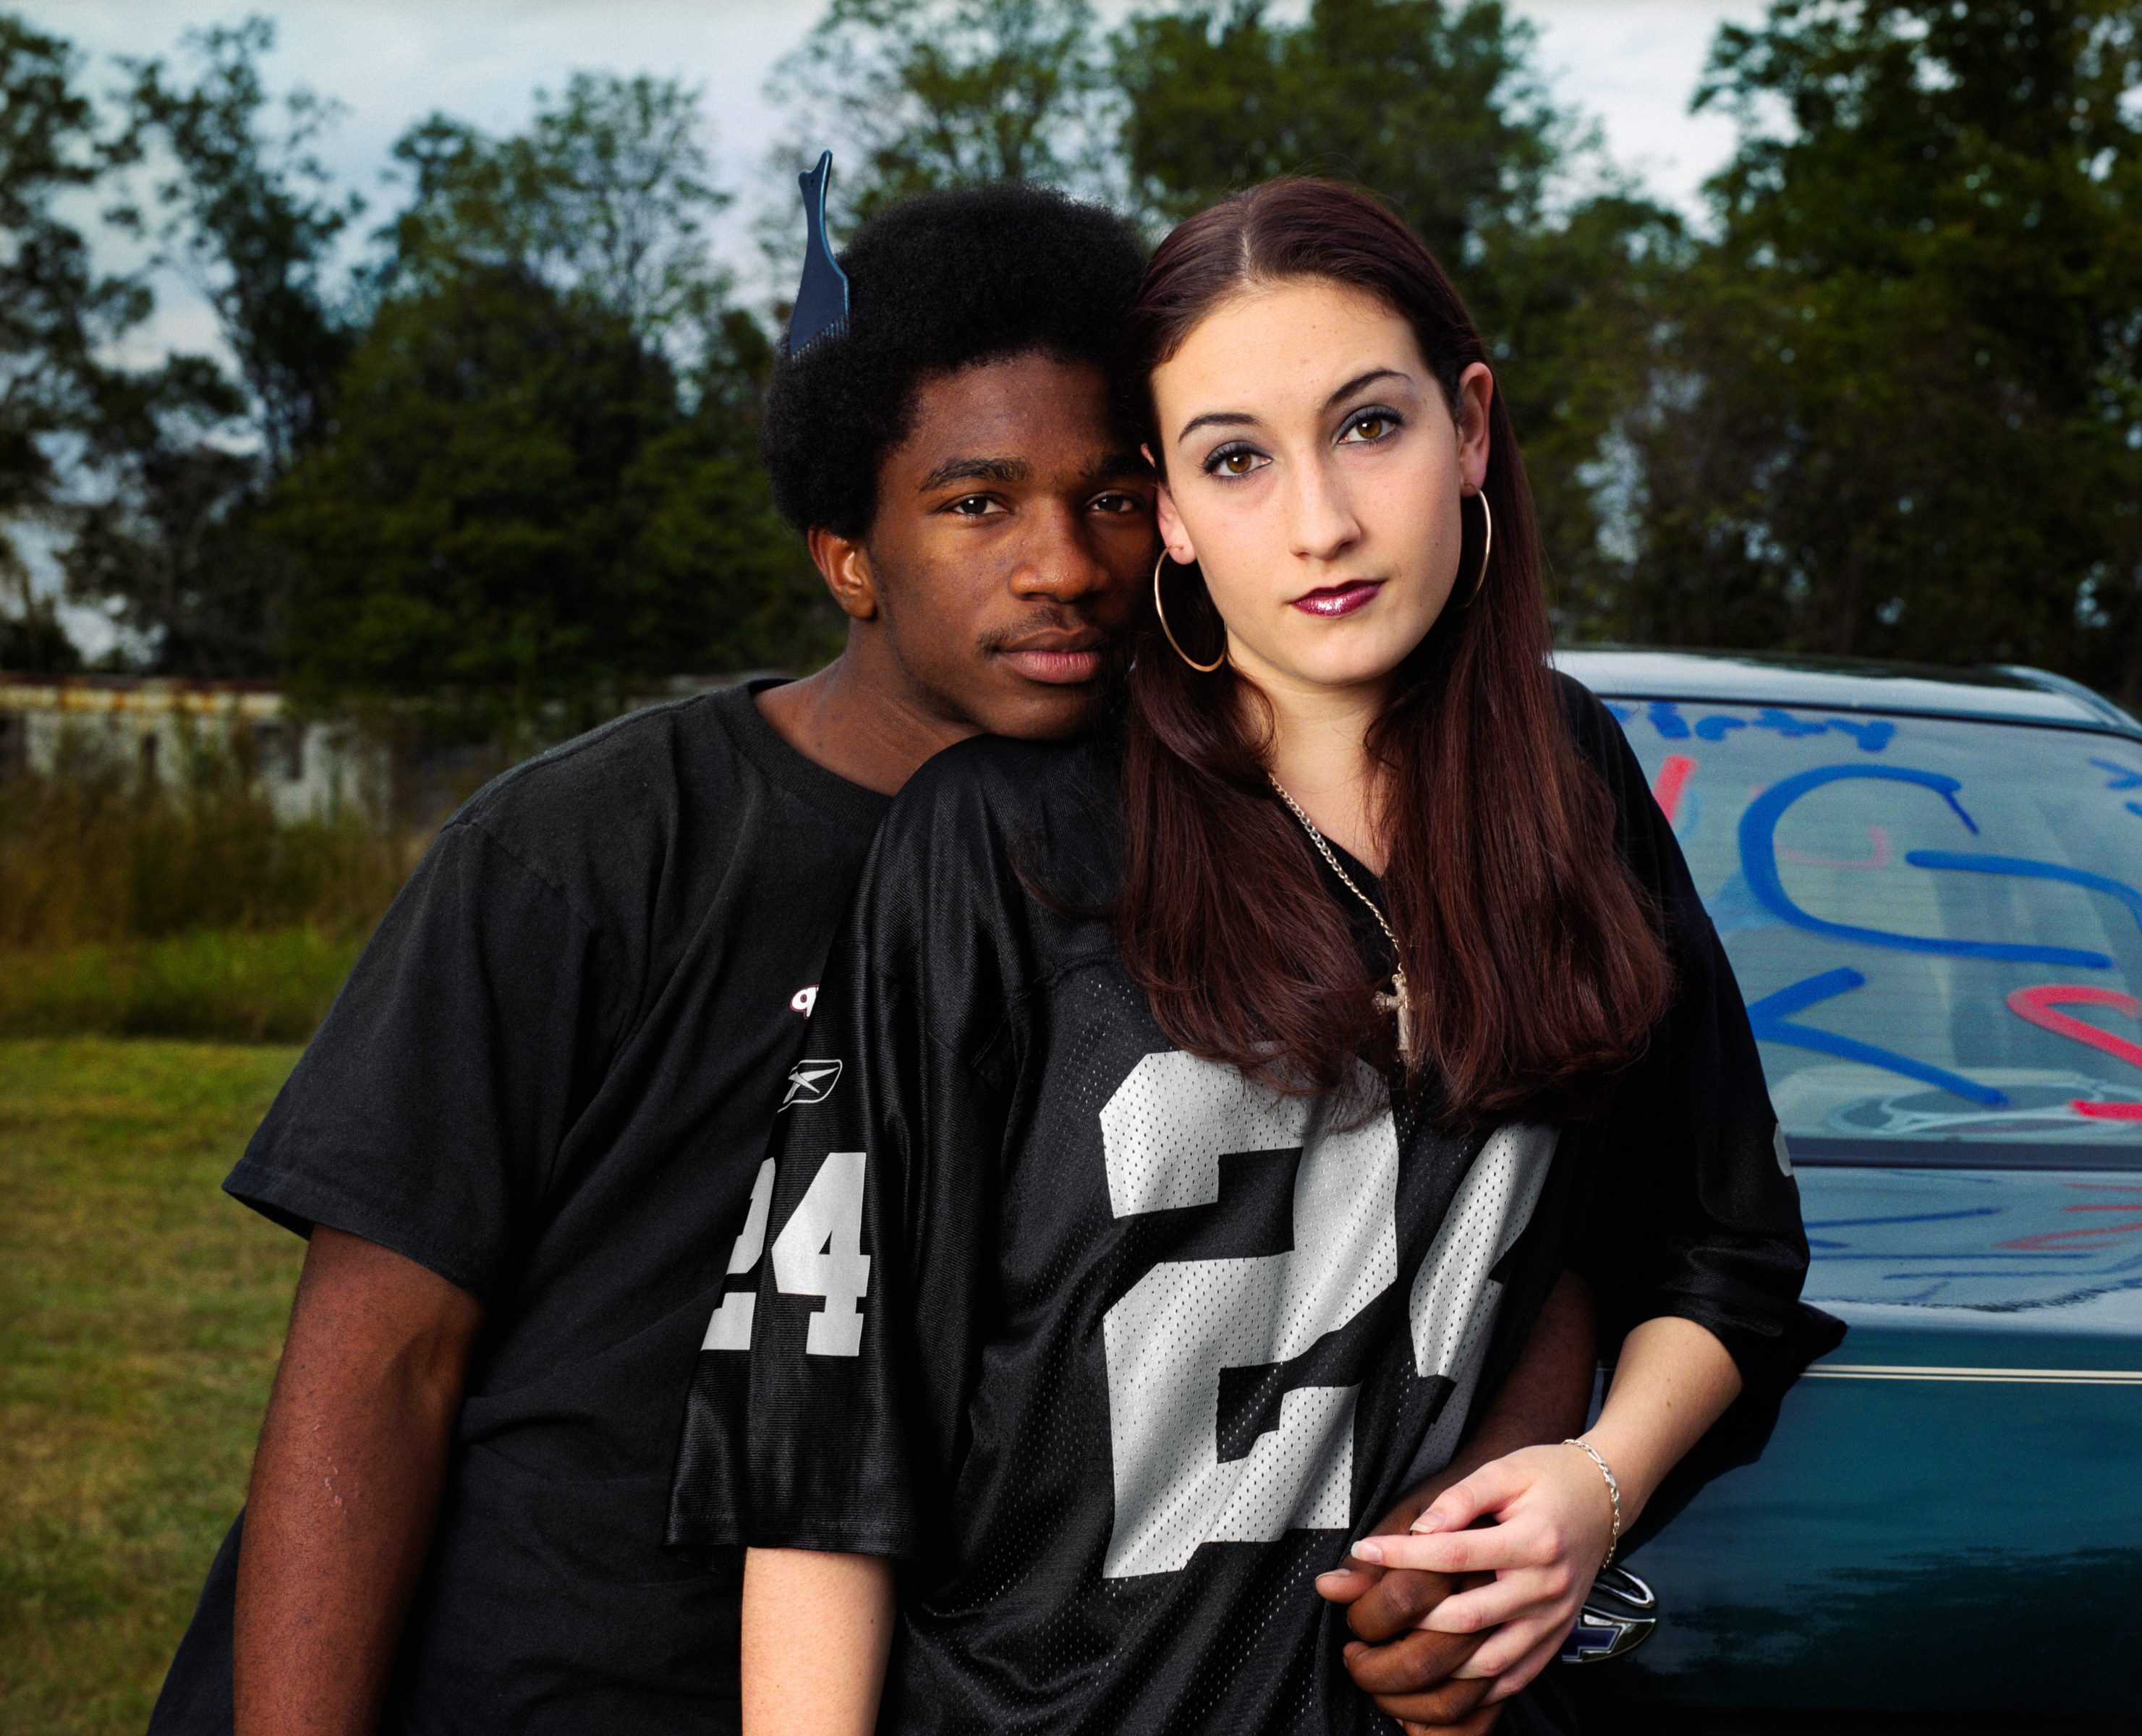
(140,1310)
(231,985)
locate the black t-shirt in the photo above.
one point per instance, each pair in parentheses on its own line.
(551,1079)
(1117,1352)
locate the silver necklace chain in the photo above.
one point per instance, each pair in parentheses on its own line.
(1397,1001)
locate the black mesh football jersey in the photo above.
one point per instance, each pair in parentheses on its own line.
(1116,1352)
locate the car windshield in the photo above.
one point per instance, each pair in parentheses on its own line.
(1936,922)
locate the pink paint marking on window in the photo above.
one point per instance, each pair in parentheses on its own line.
(2080,1240)
(2094,1237)
(2038,1004)
(1877,856)
(1673,773)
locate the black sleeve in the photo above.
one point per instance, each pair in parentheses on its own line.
(427,1112)
(1694,1212)
(881,1259)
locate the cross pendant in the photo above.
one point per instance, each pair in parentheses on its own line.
(1397,1002)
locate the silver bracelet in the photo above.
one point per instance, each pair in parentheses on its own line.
(1613,1493)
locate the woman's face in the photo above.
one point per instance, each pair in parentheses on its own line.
(1315,472)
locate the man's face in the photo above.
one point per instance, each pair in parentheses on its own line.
(1014,527)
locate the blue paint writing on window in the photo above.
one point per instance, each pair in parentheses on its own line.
(1759,863)
(1786,724)
(2122,778)
(1905,1217)
(2028,869)
(1771,1016)
(1889,1218)
(1873,734)
(2135,807)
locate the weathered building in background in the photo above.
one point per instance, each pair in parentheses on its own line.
(307,768)
(388,770)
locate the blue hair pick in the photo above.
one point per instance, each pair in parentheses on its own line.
(822,298)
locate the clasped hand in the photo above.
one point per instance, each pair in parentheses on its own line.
(1457,1602)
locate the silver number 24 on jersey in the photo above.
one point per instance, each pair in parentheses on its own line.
(1164,1133)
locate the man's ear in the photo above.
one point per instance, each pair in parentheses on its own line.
(845,567)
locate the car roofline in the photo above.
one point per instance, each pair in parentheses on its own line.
(1987,693)
(2088,698)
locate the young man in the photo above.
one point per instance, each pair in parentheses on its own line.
(522,1139)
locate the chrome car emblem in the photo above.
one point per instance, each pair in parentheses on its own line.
(1620,1612)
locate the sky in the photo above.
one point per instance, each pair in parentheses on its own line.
(1631,64)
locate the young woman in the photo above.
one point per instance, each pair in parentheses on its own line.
(1204,1112)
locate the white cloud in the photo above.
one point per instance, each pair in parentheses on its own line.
(1634,64)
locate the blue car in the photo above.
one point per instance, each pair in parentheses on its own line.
(1929,883)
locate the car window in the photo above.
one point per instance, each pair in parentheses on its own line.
(1936,922)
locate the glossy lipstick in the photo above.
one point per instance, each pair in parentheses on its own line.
(1331,601)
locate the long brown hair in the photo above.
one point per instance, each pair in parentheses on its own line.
(1534,963)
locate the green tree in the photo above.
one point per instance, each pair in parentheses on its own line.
(179,462)
(33,638)
(1899,412)
(58,313)
(913,94)
(1438,109)
(541,483)
(517,518)
(247,210)
(170,546)
(737,589)
(607,197)
(463,530)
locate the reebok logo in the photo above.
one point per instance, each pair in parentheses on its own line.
(812,1082)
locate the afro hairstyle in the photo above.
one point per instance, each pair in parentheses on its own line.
(937,283)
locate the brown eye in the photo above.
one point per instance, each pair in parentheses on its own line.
(1371,425)
(1235,462)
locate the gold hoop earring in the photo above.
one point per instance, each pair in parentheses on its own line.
(1486,545)
(1201,668)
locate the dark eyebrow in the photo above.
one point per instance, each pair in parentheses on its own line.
(977,470)
(1238,419)
(1216,419)
(1117,466)
(1359,381)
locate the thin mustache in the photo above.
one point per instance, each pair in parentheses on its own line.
(1055,619)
